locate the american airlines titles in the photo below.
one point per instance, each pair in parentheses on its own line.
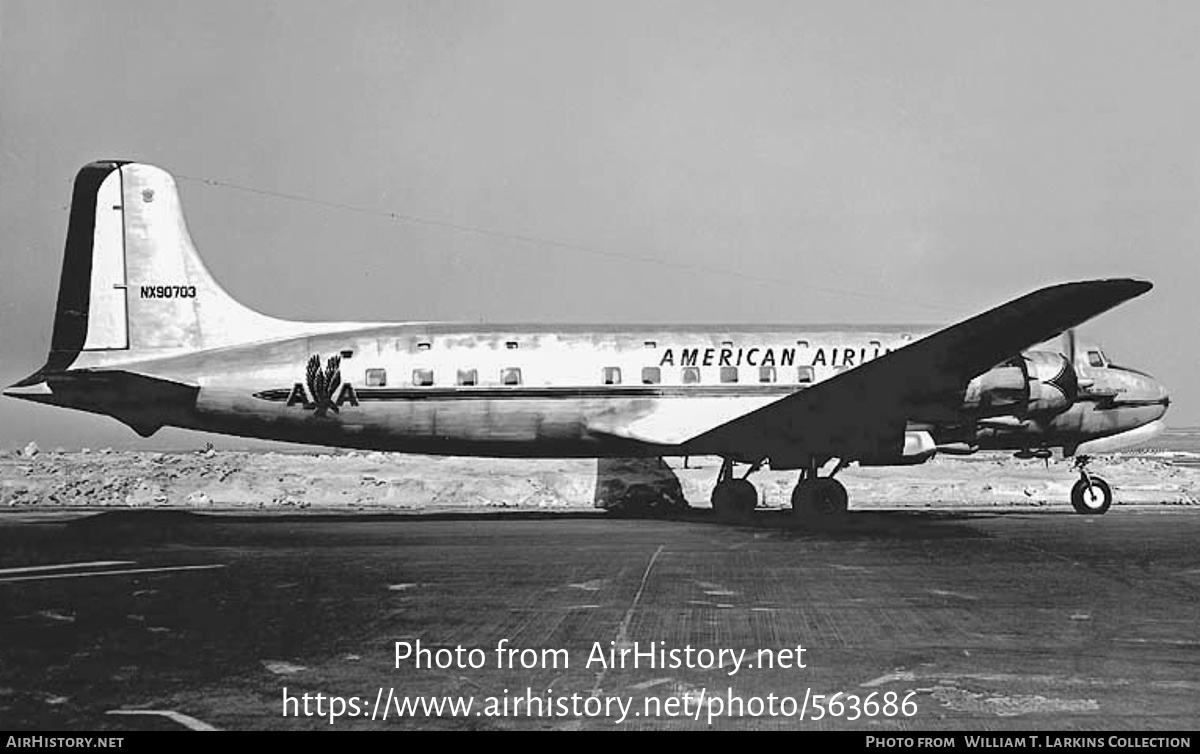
(768,357)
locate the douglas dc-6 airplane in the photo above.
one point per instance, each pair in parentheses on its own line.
(142,333)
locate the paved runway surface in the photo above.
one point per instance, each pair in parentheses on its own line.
(1044,620)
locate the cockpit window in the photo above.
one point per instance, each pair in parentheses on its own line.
(1095,358)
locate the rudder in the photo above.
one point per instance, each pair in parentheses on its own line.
(73,323)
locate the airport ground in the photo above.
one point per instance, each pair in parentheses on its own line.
(1031,619)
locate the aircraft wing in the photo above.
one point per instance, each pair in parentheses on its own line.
(862,412)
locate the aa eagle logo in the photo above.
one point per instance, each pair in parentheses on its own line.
(322,385)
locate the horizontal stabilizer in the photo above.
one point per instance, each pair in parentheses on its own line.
(144,403)
(119,386)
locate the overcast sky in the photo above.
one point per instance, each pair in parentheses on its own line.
(911,162)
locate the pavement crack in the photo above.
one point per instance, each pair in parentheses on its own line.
(623,629)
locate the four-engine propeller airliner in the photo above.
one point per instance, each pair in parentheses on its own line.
(144,334)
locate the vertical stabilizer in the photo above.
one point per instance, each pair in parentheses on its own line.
(174,304)
(133,286)
(90,226)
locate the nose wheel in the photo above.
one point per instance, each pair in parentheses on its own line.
(1091,495)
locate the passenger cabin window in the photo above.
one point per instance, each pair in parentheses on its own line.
(510,376)
(650,344)
(691,375)
(468,377)
(766,374)
(1095,358)
(376,377)
(422,377)
(804,375)
(511,345)
(651,375)
(424,345)
(729,374)
(612,375)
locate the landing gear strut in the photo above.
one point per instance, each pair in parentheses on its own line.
(734,499)
(1091,494)
(819,497)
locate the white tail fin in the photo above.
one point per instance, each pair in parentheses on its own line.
(133,286)
(173,303)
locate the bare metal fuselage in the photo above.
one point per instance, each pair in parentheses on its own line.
(399,389)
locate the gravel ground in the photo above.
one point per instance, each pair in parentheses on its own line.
(241,480)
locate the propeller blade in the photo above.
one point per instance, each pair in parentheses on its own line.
(1069,345)
(1069,350)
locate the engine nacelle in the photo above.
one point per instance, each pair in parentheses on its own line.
(1037,382)
(1053,384)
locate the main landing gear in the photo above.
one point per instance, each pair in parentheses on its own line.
(1091,494)
(815,497)
(734,499)
(819,497)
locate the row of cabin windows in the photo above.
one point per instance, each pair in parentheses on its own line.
(424,377)
(691,375)
(511,345)
(611,375)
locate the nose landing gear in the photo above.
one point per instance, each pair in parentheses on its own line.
(1091,494)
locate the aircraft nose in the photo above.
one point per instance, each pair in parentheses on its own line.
(1163,398)
(1151,392)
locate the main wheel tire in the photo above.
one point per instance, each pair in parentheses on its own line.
(1094,501)
(800,497)
(831,498)
(822,498)
(734,499)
